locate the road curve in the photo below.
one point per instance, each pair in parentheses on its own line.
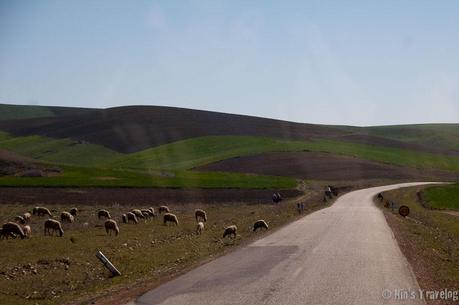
(344,254)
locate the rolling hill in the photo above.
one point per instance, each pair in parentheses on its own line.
(16,112)
(143,146)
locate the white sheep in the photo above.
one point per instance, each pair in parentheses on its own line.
(66,216)
(199,228)
(103,213)
(111,225)
(260,224)
(168,217)
(230,230)
(164,208)
(27,231)
(51,226)
(40,211)
(11,229)
(200,214)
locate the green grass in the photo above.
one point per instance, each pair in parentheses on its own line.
(444,136)
(62,151)
(442,197)
(194,152)
(145,253)
(200,151)
(395,156)
(14,112)
(92,177)
(428,238)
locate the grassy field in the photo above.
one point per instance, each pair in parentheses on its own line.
(13,112)
(194,152)
(428,238)
(53,270)
(439,136)
(61,151)
(94,177)
(168,165)
(400,157)
(200,151)
(442,197)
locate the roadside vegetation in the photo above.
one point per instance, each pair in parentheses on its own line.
(55,270)
(428,238)
(442,197)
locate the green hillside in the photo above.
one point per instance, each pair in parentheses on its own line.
(395,156)
(204,150)
(194,152)
(63,151)
(444,136)
(443,197)
(14,112)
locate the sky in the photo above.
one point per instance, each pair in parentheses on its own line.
(330,62)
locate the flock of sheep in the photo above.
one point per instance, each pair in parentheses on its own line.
(19,227)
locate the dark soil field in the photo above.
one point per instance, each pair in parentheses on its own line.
(322,166)
(130,196)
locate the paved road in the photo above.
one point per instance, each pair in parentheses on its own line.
(344,254)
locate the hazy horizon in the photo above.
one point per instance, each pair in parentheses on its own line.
(322,62)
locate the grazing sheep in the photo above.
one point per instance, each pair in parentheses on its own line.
(168,217)
(260,224)
(200,228)
(200,214)
(333,190)
(111,225)
(40,211)
(74,212)
(146,215)
(27,216)
(27,231)
(11,234)
(152,210)
(277,197)
(11,229)
(231,230)
(164,209)
(19,219)
(148,212)
(130,217)
(137,213)
(51,226)
(103,213)
(66,216)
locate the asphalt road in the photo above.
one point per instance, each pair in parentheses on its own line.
(344,254)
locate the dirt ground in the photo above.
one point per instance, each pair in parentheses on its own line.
(322,166)
(141,196)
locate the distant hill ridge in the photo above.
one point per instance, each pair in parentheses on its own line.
(134,128)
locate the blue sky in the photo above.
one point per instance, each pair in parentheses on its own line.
(330,62)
